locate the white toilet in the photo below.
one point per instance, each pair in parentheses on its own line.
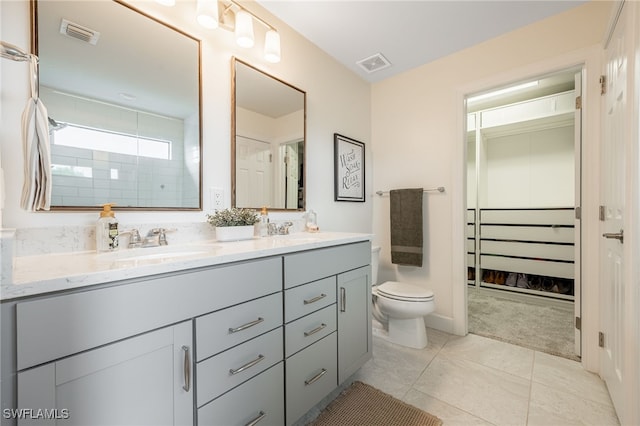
(400,308)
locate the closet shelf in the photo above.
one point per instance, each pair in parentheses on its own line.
(537,242)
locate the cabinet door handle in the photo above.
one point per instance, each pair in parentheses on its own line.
(343,299)
(315,378)
(315,330)
(245,326)
(261,415)
(314,299)
(187,369)
(247,365)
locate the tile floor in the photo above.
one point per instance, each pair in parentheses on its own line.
(474,380)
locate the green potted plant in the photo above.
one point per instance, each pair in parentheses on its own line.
(233,224)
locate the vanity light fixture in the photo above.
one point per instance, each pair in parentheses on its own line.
(207,13)
(244,29)
(233,17)
(272,46)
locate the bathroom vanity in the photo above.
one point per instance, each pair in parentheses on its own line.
(249,332)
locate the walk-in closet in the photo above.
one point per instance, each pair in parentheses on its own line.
(523,159)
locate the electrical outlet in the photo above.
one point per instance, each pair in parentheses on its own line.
(217,198)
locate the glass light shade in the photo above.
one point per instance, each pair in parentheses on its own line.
(207,13)
(244,29)
(272,46)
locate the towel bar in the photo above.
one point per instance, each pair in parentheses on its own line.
(439,189)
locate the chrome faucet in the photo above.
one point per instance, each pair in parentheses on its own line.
(155,237)
(279,229)
(135,240)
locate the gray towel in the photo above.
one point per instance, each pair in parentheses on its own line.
(406,226)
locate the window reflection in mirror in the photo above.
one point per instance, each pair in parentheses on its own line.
(267,141)
(123,106)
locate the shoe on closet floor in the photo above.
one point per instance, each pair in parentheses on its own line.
(512,279)
(489,276)
(522,281)
(547,284)
(564,286)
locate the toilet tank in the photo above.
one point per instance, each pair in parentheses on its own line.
(375,262)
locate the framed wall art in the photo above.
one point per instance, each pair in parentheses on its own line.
(348,169)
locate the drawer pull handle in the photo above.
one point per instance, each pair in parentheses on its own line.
(245,326)
(247,365)
(315,378)
(315,299)
(315,330)
(261,415)
(187,369)
(343,299)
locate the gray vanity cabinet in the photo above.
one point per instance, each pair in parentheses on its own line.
(327,321)
(257,341)
(354,321)
(124,353)
(143,380)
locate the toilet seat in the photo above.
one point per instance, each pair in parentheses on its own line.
(404,292)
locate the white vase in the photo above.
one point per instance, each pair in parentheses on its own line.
(234,233)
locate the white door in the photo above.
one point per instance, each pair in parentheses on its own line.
(253,173)
(291,161)
(144,380)
(615,135)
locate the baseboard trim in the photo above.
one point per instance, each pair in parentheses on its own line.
(439,322)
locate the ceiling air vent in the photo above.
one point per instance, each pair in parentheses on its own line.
(374,63)
(74,30)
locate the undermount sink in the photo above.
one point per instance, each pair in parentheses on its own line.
(300,237)
(161,253)
(155,256)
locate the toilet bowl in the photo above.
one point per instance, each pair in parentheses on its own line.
(400,308)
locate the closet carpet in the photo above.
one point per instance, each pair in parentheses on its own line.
(543,328)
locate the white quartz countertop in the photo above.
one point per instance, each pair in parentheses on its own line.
(35,275)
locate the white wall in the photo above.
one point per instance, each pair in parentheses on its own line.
(418,140)
(531,170)
(337,101)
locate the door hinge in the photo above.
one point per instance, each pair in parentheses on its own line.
(578,213)
(601,214)
(578,102)
(603,84)
(578,323)
(601,339)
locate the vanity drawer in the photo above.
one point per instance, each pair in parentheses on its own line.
(311,375)
(262,396)
(227,370)
(301,268)
(309,329)
(229,327)
(304,299)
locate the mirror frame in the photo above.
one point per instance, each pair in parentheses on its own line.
(234,61)
(34,49)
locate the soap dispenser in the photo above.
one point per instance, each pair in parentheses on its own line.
(312,221)
(107,230)
(263,225)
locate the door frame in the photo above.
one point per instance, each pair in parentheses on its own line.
(590,59)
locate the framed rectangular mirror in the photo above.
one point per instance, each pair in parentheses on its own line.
(122,91)
(268,132)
